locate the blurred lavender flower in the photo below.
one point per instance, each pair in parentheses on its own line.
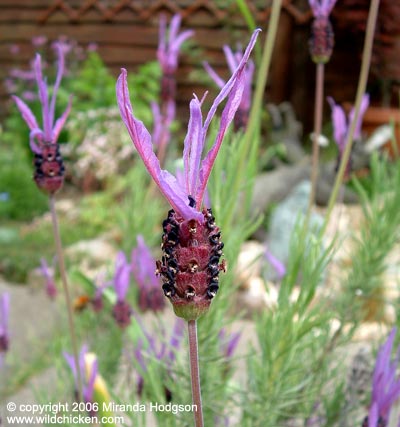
(88,385)
(275,263)
(4,331)
(153,349)
(143,269)
(48,274)
(341,125)
(39,41)
(97,300)
(168,52)
(228,343)
(49,168)
(233,59)
(122,310)
(385,385)
(191,241)
(322,38)
(167,55)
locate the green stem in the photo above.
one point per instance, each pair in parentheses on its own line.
(194,373)
(362,84)
(61,263)
(251,136)
(318,113)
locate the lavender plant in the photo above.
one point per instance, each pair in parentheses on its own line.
(48,275)
(49,167)
(190,270)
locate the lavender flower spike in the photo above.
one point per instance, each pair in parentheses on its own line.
(122,311)
(233,59)
(191,242)
(385,385)
(142,267)
(49,169)
(322,38)
(4,315)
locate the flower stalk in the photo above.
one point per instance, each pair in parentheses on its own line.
(194,373)
(318,110)
(64,280)
(362,83)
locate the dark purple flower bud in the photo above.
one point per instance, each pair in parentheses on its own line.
(322,38)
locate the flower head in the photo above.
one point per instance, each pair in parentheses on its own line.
(49,169)
(48,274)
(142,267)
(122,310)
(322,38)
(233,59)
(191,240)
(4,315)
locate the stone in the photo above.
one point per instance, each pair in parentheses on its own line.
(285,217)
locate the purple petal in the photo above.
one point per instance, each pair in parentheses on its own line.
(157,125)
(44,99)
(230,59)
(339,124)
(278,266)
(44,269)
(175,46)
(373,416)
(227,116)
(89,389)
(193,148)
(210,71)
(60,122)
(60,72)
(174,28)
(162,40)
(363,109)
(142,142)
(26,113)
(4,312)
(230,83)
(36,134)
(232,344)
(121,276)
(143,265)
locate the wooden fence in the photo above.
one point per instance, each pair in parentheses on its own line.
(126,33)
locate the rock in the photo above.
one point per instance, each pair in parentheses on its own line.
(257,295)
(250,261)
(91,254)
(273,187)
(284,218)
